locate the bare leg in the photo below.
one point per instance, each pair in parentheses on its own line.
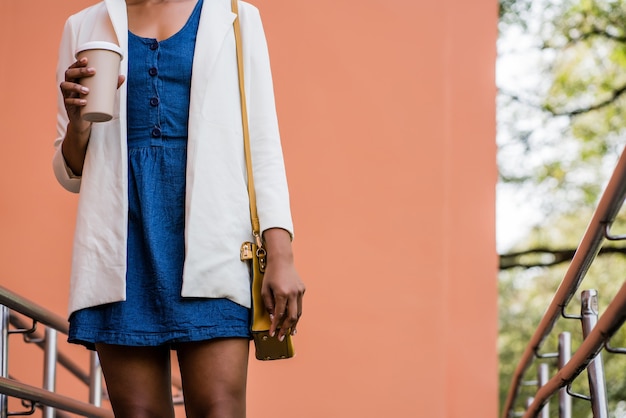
(214,375)
(138,380)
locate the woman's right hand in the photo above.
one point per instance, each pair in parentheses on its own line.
(75,97)
(74,94)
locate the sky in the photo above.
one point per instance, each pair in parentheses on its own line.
(519,73)
(516,71)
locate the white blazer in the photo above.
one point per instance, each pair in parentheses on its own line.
(217,215)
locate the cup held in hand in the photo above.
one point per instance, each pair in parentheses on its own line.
(105,57)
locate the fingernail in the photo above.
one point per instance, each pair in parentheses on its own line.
(294,332)
(272,334)
(84,90)
(281,338)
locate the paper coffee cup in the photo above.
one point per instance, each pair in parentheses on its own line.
(105,57)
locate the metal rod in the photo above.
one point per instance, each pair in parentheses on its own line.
(607,325)
(608,207)
(24,306)
(4,356)
(614,350)
(611,237)
(95,383)
(573,394)
(31,393)
(543,376)
(565,353)
(55,324)
(595,370)
(49,367)
(64,360)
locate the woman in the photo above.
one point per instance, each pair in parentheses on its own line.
(163,205)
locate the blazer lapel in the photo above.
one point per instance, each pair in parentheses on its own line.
(216,21)
(119,19)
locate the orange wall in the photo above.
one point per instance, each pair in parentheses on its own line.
(387,112)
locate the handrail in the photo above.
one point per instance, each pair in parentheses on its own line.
(35,394)
(18,304)
(46,396)
(609,205)
(24,306)
(607,325)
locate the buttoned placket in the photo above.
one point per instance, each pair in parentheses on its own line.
(156,132)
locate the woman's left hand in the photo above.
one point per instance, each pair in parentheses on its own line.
(282,290)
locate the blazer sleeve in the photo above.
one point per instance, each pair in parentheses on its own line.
(267,157)
(63,173)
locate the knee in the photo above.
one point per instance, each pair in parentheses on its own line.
(223,405)
(138,410)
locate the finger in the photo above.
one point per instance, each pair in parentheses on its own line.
(120,81)
(76,73)
(75,101)
(293,313)
(79,63)
(268,302)
(268,298)
(294,326)
(279,314)
(290,318)
(70,89)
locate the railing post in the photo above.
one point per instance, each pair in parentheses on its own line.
(595,370)
(49,365)
(4,356)
(565,353)
(542,379)
(95,383)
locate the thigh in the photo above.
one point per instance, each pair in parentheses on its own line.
(138,380)
(214,375)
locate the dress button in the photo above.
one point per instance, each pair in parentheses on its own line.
(154,101)
(153,71)
(154,45)
(156,133)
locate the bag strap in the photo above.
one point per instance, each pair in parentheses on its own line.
(254,217)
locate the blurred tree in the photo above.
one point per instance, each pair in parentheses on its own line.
(561,105)
(525,293)
(564,109)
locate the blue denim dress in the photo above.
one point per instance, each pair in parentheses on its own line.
(154,313)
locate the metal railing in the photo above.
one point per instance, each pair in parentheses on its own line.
(596,332)
(45,397)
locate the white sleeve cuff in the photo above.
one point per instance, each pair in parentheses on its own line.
(64,174)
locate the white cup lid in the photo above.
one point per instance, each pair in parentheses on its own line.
(110,46)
